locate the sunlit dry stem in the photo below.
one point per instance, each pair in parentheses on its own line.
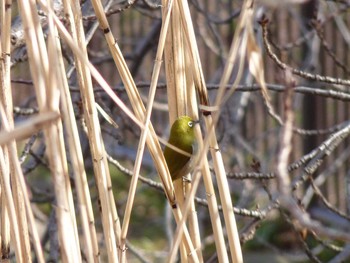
(9,216)
(137,104)
(139,109)
(179,79)
(181,224)
(90,244)
(10,150)
(236,252)
(144,134)
(23,188)
(100,165)
(27,128)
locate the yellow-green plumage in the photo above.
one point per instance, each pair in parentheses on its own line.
(182,136)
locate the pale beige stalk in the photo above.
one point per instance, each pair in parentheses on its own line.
(144,133)
(29,127)
(8,202)
(139,109)
(233,236)
(136,101)
(47,93)
(212,203)
(192,107)
(214,213)
(17,172)
(177,79)
(5,236)
(109,215)
(186,208)
(243,42)
(154,146)
(90,248)
(10,150)
(53,91)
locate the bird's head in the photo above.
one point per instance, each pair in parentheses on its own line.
(183,129)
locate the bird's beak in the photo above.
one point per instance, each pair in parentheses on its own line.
(196,122)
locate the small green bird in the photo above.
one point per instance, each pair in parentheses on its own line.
(181,136)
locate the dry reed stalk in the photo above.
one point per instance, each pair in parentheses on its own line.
(91,249)
(29,127)
(104,85)
(94,72)
(136,101)
(5,236)
(186,208)
(105,115)
(139,109)
(177,79)
(10,214)
(144,133)
(10,150)
(61,178)
(180,200)
(175,65)
(56,73)
(243,44)
(65,35)
(17,172)
(192,219)
(193,224)
(45,83)
(188,205)
(192,107)
(207,179)
(233,236)
(109,215)
(195,182)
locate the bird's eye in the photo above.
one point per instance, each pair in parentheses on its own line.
(190,124)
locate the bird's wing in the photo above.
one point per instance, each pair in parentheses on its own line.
(178,163)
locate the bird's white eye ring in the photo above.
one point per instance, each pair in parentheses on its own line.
(190,124)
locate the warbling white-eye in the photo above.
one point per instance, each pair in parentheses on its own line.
(181,136)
